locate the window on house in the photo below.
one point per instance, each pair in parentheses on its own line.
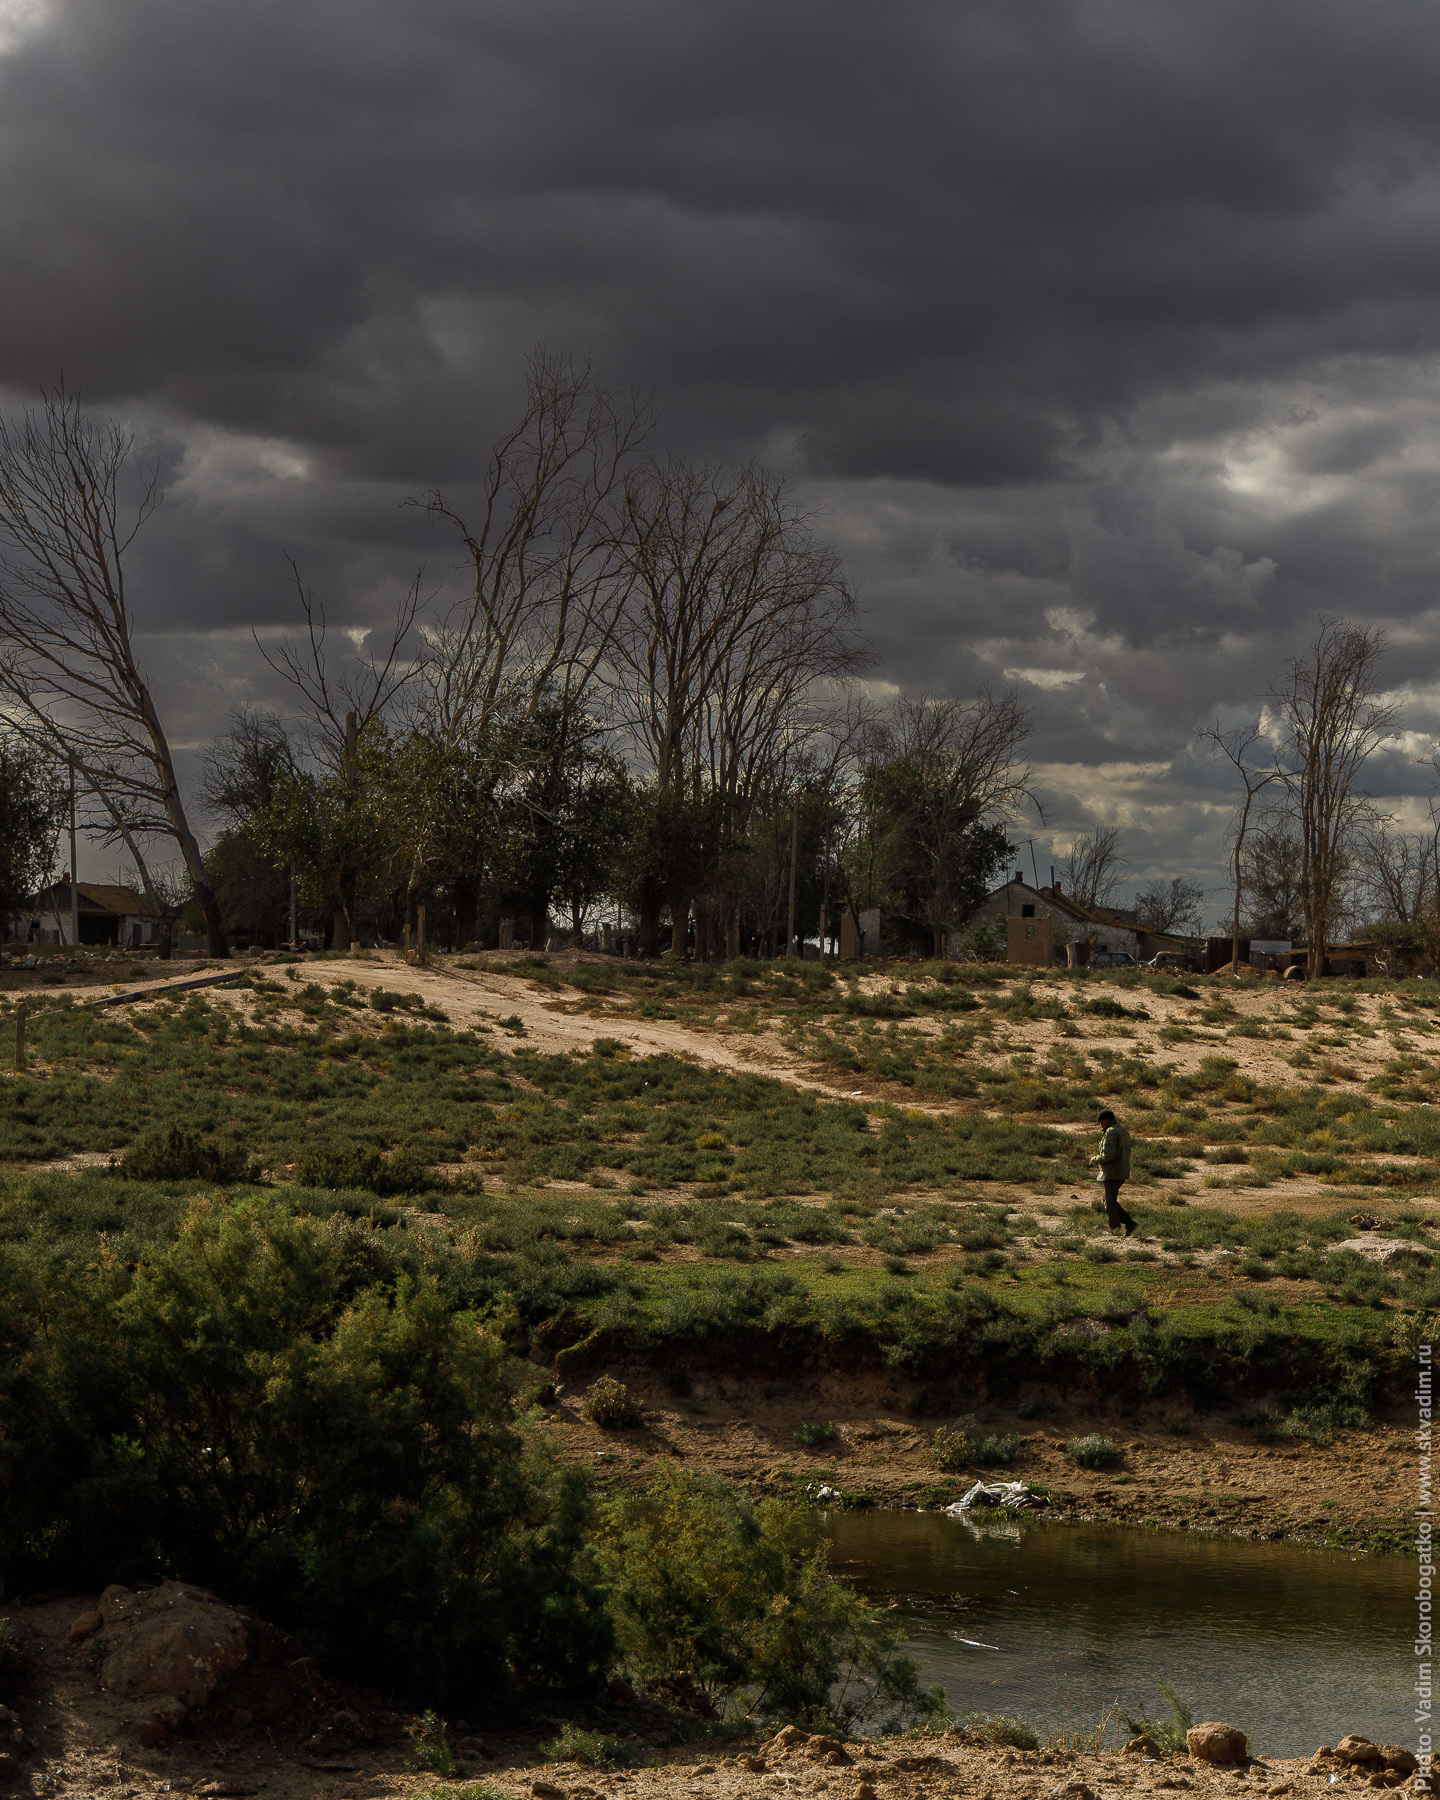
(1027,912)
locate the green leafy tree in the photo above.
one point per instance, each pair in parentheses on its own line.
(32,808)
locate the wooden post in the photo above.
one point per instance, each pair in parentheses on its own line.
(20,1036)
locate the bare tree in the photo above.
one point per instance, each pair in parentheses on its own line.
(1237,745)
(1092,869)
(1164,905)
(343,703)
(737,617)
(1395,873)
(1333,720)
(68,667)
(546,578)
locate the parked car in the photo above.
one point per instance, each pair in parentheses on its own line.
(1177,962)
(1112,959)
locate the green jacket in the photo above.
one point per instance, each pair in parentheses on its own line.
(1114,1154)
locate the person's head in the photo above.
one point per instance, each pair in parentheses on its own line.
(1107,1117)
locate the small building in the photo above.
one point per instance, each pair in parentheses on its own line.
(1108,929)
(107,915)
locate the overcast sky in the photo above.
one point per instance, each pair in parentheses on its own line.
(1102,335)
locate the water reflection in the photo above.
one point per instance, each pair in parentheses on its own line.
(1296,1646)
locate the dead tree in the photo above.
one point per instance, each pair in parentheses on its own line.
(68,669)
(341,706)
(1333,721)
(548,574)
(737,616)
(1093,866)
(1237,745)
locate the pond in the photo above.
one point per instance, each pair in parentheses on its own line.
(1296,1646)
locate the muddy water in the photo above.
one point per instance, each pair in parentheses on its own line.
(1296,1646)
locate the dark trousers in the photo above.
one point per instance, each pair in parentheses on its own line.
(1115,1213)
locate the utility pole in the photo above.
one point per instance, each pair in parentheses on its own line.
(794,859)
(74,889)
(825,899)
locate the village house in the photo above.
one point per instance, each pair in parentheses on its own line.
(1109,929)
(107,915)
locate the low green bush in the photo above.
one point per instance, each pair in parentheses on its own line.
(1002,1729)
(1093,1451)
(610,1404)
(813,1434)
(170,1153)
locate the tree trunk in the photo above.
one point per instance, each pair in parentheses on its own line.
(680,925)
(539,922)
(649,922)
(466,907)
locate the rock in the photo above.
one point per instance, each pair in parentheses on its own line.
(546,1790)
(85,1626)
(1280,1787)
(1213,1742)
(828,1750)
(175,1642)
(863,1791)
(1070,1790)
(1398,1757)
(789,1737)
(923,1765)
(1356,1749)
(755,1764)
(150,1733)
(1143,1745)
(1386,1251)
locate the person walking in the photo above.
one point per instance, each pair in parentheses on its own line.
(1114,1160)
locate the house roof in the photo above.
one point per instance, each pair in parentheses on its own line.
(95,896)
(1086,915)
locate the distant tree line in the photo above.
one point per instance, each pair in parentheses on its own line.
(647,705)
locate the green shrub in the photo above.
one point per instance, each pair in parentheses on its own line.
(430,1750)
(1168,1732)
(173,1154)
(610,1404)
(813,1434)
(592,1748)
(1093,1451)
(17,1662)
(361,1166)
(737,1596)
(998,1450)
(269,1407)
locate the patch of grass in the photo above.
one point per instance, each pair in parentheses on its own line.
(1002,1729)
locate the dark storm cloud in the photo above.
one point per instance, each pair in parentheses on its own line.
(1103,333)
